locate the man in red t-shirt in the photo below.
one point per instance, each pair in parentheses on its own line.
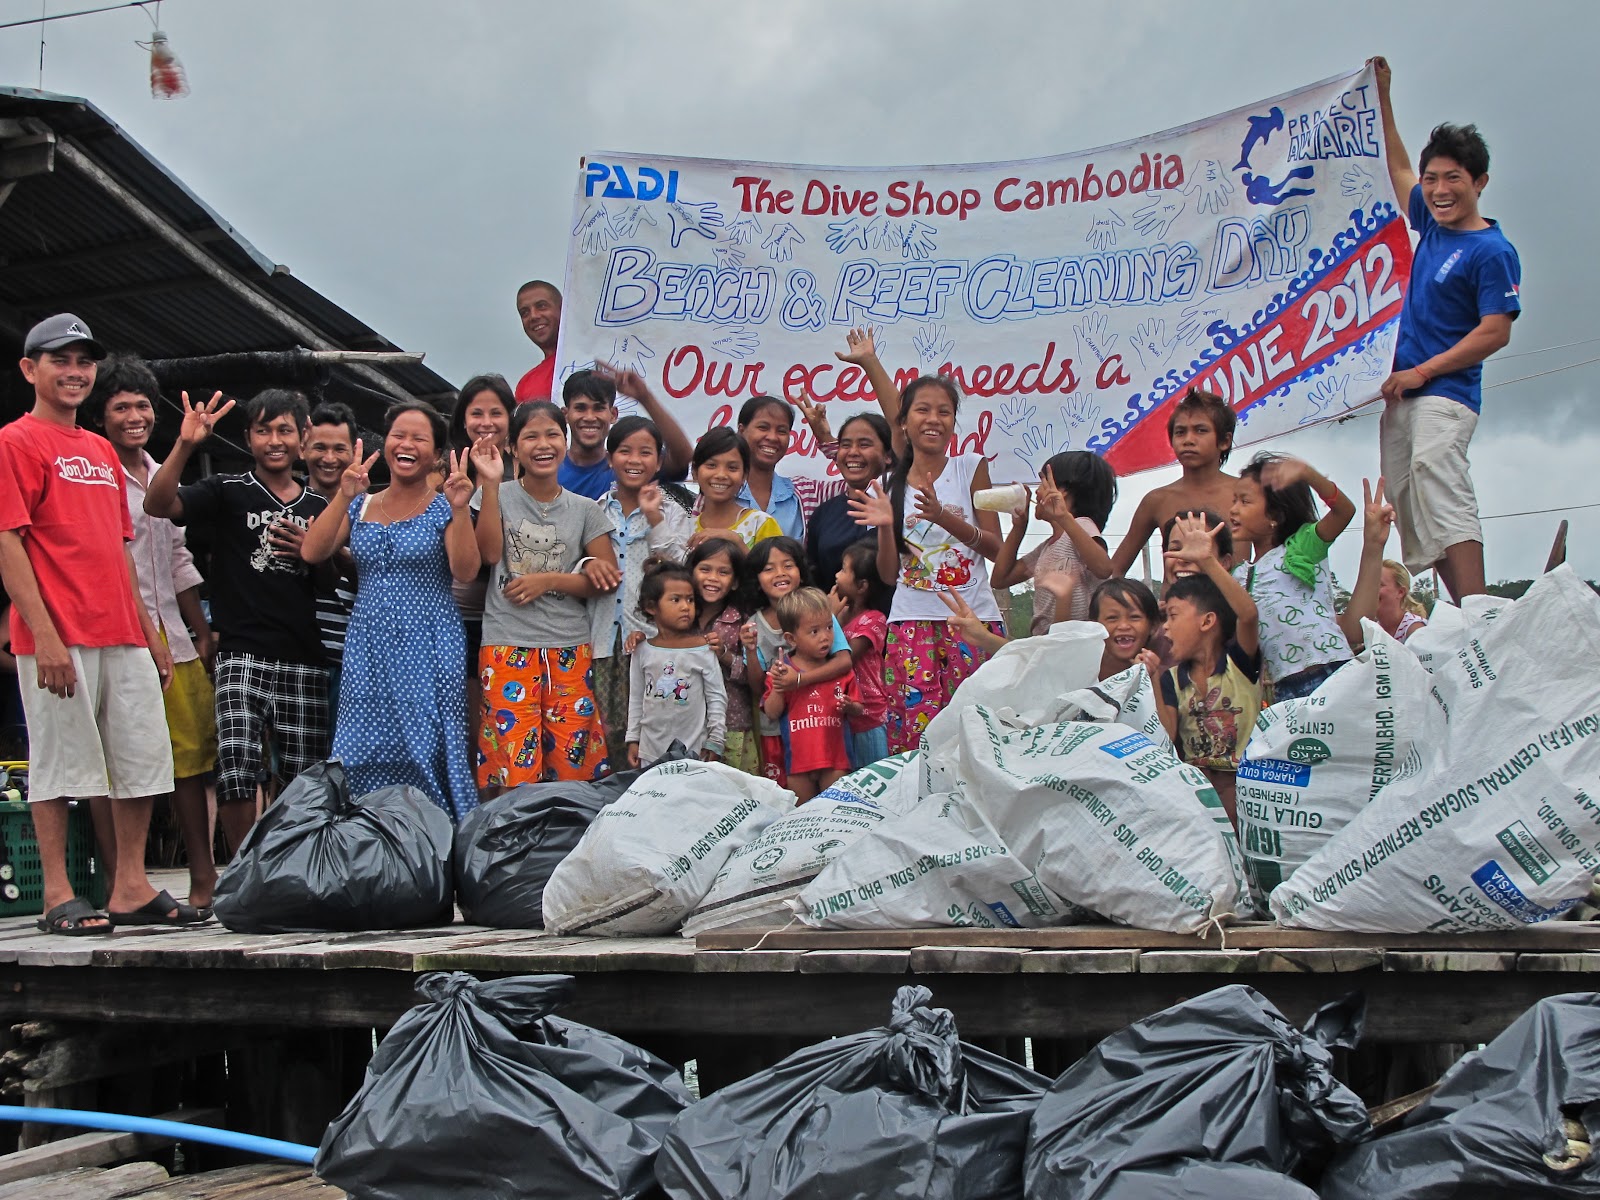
(91,665)
(539,306)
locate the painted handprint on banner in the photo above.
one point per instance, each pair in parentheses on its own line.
(628,353)
(781,242)
(1374,361)
(884,234)
(1093,337)
(1212,187)
(1150,343)
(1077,411)
(932,345)
(917,241)
(1037,446)
(1358,184)
(1195,321)
(627,222)
(1014,414)
(745,229)
(737,343)
(728,255)
(704,218)
(1157,215)
(593,230)
(1103,228)
(844,234)
(1326,395)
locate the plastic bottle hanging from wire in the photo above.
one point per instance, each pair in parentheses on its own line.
(167,78)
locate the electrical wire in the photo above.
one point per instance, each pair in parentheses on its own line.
(84,12)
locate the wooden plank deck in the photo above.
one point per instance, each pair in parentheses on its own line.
(149,1181)
(794,981)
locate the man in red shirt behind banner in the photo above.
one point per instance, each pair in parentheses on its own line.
(539,307)
(90,664)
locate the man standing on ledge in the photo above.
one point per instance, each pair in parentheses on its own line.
(84,641)
(539,306)
(1465,278)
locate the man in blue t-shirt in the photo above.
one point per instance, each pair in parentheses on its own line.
(590,400)
(1465,279)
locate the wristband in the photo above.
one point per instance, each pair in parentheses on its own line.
(1427,375)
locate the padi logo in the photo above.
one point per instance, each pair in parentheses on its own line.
(80,470)
(1447,266)
(646,183)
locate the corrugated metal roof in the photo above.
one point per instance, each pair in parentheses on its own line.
(66,243)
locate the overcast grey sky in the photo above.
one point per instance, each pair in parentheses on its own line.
(416,161)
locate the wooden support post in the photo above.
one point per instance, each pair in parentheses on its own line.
(1558,549)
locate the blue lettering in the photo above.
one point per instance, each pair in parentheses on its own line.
(638,288)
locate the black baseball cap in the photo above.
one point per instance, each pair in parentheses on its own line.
(61,330)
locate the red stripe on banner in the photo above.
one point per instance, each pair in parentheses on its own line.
(1356,296)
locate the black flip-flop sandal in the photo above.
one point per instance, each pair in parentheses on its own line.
(163,910)
(67,920)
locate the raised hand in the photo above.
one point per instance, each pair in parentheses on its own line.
(627,222)
(1191,542)
(1377,514)
(815,416)
(1211,186)
(1150,342)
(917,241)
(357,477)
(488,461)
(838,602)
(748,637)
(931,344)
(1157,215)
(744,229)
(199,419)
(737,343)
(1150,661)
(844,234)
(1102,233)
(704,218)
(1014,414)
(1285,472)
(780,243)
(1093,336)
(860,346)
(961,615)
(650,500)
(593,230)
(458,485)
(871,508)
(1059,584)
(627,380)
(1052,503)
(929,507)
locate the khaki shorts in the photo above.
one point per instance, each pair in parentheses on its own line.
(191,706)
(109,738)
(1423,448)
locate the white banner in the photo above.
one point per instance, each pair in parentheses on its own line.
(1259,254)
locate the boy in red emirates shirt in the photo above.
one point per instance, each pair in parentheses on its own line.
(90,664)
(813,737)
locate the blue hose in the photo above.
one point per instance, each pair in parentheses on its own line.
(176,1130)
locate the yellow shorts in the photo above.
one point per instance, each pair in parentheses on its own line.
(191,720)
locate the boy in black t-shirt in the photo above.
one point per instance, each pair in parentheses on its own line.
(269,669)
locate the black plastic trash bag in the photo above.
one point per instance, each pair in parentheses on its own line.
(1517,1118)
(506,849)
(318,860)
(480,1093)
(1220,1079)
(908,1111)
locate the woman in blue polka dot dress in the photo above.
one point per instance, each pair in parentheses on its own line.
(402,705)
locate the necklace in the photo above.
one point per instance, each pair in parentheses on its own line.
(393,520)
